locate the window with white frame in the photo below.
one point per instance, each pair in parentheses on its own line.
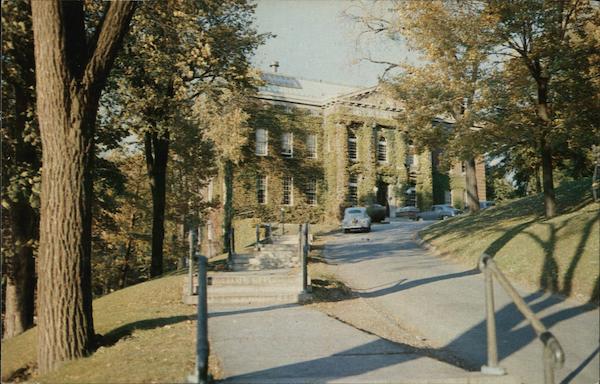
(382,150)
(352,153)
(288,191)
(262,142)
(311,146)
(353,190)
(287,144)
(311,192)
(412,159)
(261,189)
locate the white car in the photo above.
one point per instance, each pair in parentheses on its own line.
(356,219)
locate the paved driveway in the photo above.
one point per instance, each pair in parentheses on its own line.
(444,302)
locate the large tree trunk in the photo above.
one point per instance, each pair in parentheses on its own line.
(228,216)
(157,154)
(543,112)
(471,185)
(70,75)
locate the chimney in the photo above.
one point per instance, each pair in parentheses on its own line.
(274,66)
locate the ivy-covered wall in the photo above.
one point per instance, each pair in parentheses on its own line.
(458,187)
(337,166)
(277,120)
(331,168)
(424,183)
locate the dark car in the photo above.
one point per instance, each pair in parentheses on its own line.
(438,212)
(409,212)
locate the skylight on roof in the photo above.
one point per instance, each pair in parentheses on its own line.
(281,81)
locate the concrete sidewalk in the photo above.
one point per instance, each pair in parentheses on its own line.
(296,344)
(444,302)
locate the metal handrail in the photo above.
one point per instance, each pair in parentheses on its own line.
(554,356)
(200,375)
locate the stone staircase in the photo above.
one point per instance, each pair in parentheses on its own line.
(281,253)
(271,274)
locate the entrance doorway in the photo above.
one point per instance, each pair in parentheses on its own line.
(382,196)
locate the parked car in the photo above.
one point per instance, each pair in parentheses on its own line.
(410,212)
(376,212)
(356,219)
(438,212)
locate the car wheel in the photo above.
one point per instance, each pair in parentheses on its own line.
(444,217)
(419,219)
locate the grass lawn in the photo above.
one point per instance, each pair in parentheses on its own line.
(560,255)
(148,336)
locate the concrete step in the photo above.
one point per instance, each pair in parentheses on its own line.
(250,299)
(265,258)
(257,261)
(253,290)
(242,267)
(266,255)
(269,277)
(285,239)
(279,247)
(262,278)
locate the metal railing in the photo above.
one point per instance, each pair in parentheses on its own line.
(553,357)
(200,374)
(303,249)
(267,238)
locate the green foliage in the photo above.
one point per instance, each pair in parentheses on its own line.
(424,184)
(122,223)
(21,147)
(278,120)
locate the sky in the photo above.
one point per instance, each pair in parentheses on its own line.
(315,40)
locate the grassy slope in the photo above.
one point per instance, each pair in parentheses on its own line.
(149,336)
(560,254)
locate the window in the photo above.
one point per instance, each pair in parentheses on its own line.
(353,190)
(352,155)
(287,144)
(382,150)
(262,142)
(311,146)
(311,192)
(261,189)
(412,160)
(288,194)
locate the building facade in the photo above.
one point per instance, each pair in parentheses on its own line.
(317,148)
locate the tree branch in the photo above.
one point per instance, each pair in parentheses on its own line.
(112,29)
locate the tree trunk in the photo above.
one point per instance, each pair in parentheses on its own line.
(228,215)
(471,185)
(157,153)
(538,183)
(545,147)
(20,268)
(20,284)
(548,181)
(70,74)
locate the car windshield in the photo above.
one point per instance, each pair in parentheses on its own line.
(353,211)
